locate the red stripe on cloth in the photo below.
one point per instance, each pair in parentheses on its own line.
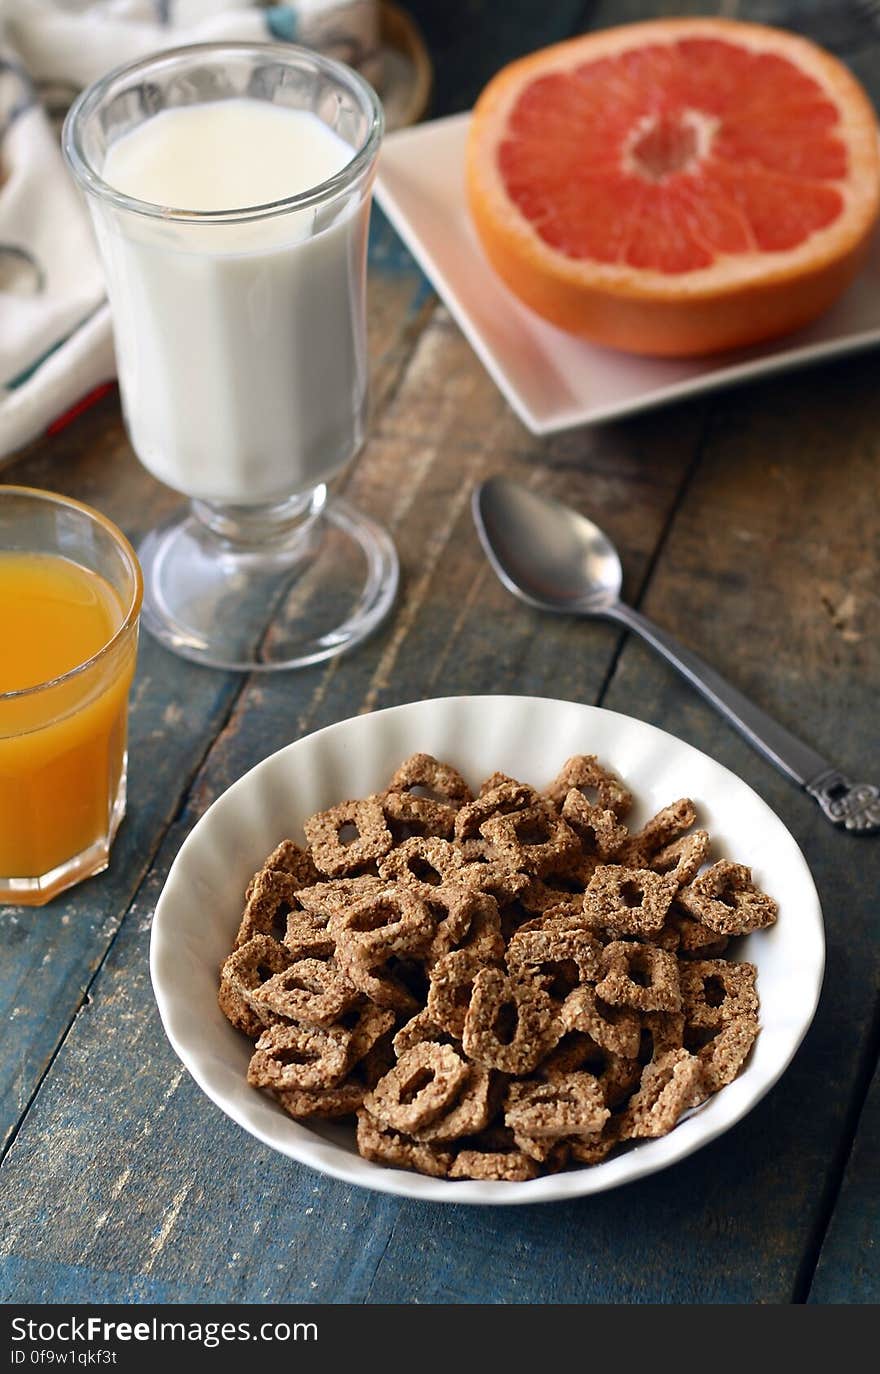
(85,403)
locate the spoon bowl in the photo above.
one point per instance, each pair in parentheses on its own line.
(547,554)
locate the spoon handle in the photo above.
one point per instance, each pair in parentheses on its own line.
(852,806)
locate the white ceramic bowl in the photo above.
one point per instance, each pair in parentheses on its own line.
(530,738)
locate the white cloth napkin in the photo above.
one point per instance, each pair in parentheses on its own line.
(55,338)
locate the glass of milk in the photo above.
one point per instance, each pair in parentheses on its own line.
(229,186)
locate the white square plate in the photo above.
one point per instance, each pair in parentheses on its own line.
(552,380)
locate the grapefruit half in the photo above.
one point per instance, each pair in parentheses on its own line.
(676,187)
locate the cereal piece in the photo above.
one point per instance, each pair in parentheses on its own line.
(669,938)
(559,890)
(410,815)
(507,1166)
(575,1050)
(670,1085)
(308,937)
(378,1059)
(471,922)
(542,901)
(472,1110)
(308,990)
(512,916)
(683,858)
(496,779)
(237,1011)
(658,833)
(242,975)
(662,1031)
(496,1136)
(475,851)
(597,827)
(424,771)
(273,895)
(499,1140)
(557,918)
(424,795)
(539,1148)
(628,901)
(568,1104)
(366,1026)
(333,851)
(307,1058)
(553,1154)
(613,1028)
(499,881)
(584,773)
(559,960)
(508,796)
(420,1028)
(723,1057)
(343,1100)
(384,1146)
(450,989)
(534,840)
(725,899)
(484,940)
(618,1078)
(453,909)
(391,983)
(510,1024)
(326,900)
(393,922)
(422,1086)
(287,857)
(696,941)
(715,991)
(594,1149)
(422,865)
(639,976)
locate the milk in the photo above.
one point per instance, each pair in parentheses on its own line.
(240,346)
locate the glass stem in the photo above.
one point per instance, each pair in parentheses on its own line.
(256,526)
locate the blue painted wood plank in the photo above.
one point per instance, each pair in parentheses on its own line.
(164,1199)
(848,1270)
(123,1180)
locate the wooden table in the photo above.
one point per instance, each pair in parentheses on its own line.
(748,524)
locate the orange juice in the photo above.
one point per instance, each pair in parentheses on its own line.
(62,748)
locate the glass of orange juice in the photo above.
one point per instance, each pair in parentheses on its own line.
(70,600)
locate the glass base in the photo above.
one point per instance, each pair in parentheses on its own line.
(267,588)
(88,863)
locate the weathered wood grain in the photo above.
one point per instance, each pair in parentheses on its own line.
(143,1218)
(848,1270)
(775,527)
(748,525)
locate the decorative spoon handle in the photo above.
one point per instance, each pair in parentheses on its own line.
(850,805)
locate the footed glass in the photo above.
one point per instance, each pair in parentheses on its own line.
(241,347)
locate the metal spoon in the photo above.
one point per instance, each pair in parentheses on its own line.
(555,559)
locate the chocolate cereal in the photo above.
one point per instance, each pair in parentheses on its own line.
(496,985)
